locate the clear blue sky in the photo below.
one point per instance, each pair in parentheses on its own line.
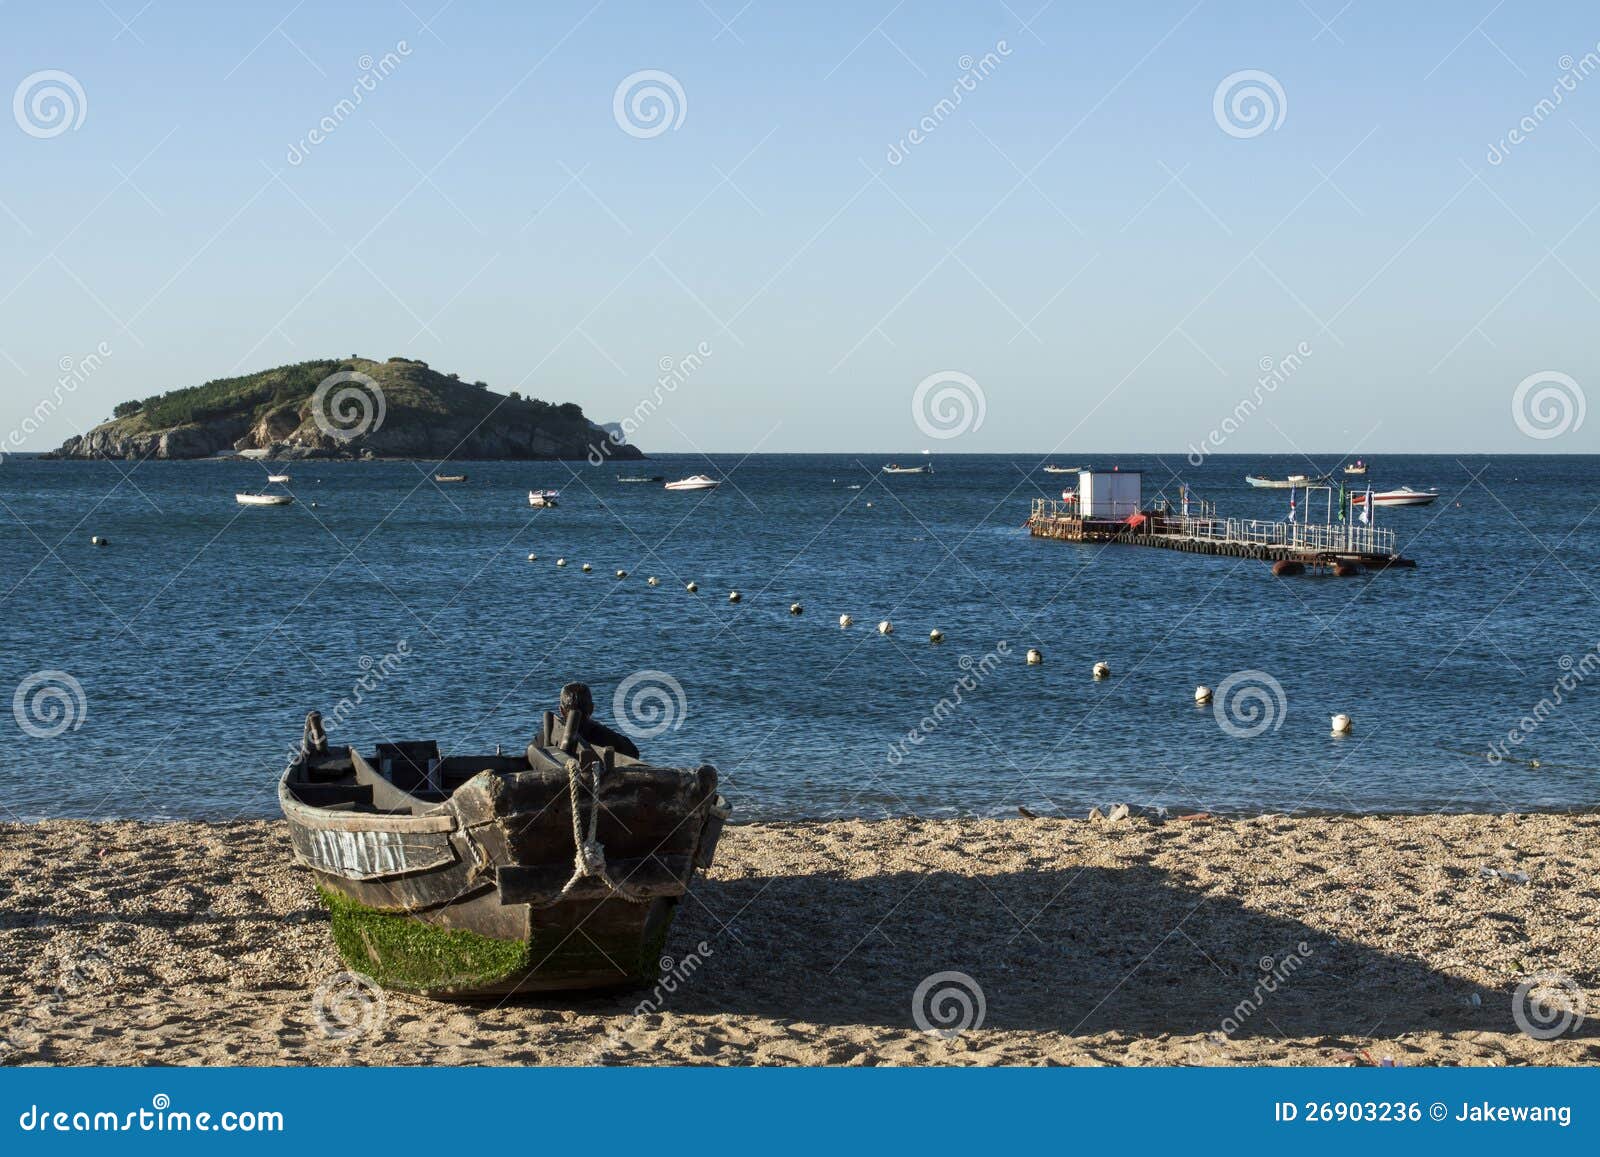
(1080,236)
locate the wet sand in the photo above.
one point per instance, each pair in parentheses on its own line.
(1328,940)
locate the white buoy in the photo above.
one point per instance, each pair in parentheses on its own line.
(691,587)
(796,609)
(1101,671)
(533,558)
(733,596)
(622,574)
(936,636)
(1202,694)
(1035,656)
(1342,724)
(885,627)
(652,581)
(845,620)
(98,541)
(587,568)
(561,562)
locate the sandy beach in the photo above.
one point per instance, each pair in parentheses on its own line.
(1326,940)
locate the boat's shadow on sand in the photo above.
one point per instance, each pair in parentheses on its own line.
(1076,951)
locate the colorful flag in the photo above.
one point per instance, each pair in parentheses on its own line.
(1291,506)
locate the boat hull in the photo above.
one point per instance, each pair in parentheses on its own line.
(263,499)
(476,895)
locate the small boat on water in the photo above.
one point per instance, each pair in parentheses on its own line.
(471,876)
(1052,469)
(1294,481)
(896,468)
(449,477)
(694,482)
(642,478)
(1405,496)
(545,498)
(1356,467)
(263,499)
(277,478)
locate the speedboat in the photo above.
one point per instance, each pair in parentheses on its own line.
(1294,481)
(263,499)
(546,498)
(1356,467)
(1405,496)
(694,482)
(896,468)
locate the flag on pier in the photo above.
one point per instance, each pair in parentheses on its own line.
(1291,505)
(1366,507)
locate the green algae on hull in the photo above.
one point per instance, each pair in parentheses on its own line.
(404,953)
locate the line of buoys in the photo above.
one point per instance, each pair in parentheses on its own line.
(885,627)
(561,562)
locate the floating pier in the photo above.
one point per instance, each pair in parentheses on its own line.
(1107,509)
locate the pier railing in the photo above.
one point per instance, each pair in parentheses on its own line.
(1322,537)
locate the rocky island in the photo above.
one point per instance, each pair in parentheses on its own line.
(352,408)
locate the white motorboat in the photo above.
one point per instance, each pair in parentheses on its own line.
(263,499)
(1293,482)
(545,498)
(1405,496)
(1063,469)
(694,482)
(277,478)
(896,468)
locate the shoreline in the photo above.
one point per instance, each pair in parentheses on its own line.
(1128,942)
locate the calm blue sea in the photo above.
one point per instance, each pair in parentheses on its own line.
(203,634)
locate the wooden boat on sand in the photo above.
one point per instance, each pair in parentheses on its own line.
(473,876)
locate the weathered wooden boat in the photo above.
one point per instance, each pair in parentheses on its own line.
(471,876)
